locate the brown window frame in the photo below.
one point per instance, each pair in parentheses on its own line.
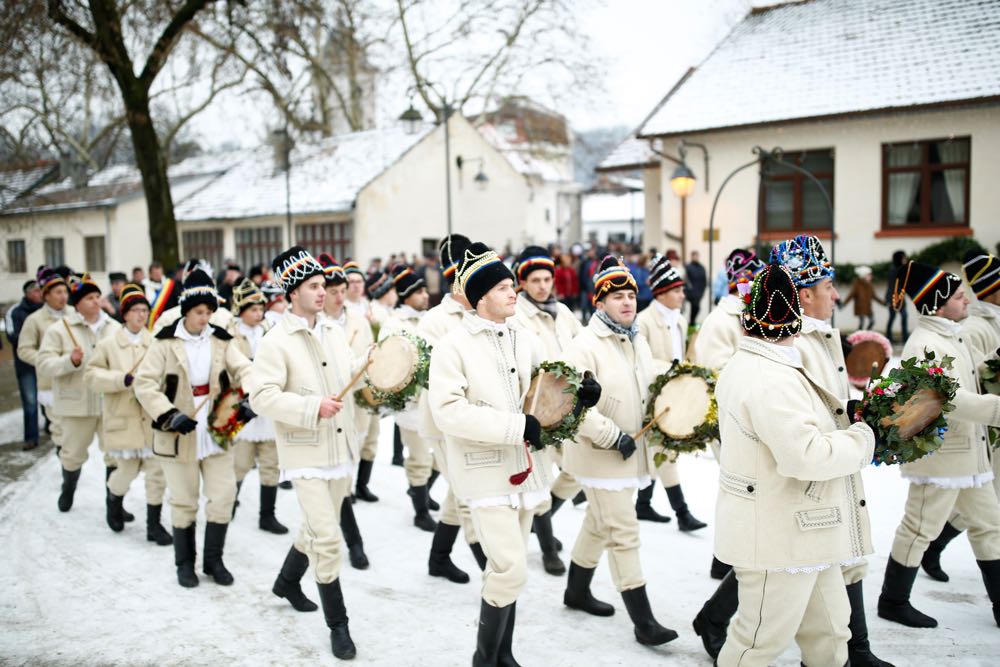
(258,245)
(17,260)
(339,243)
(797,179)
(95,259)
(925,169)
(196,243)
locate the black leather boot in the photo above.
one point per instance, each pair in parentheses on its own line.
(991,578)
(931,561)
(579,499)
(155,532)
(859,652)
(578,596)
(113,513)
(644,506)
(719,569)
(492,622)
(686,521)
(505,658)
(184,555)
(126,515)
(236,500)
(286,485)
(647,630)
(352,536)
(432,504)
(332,599)
(557,502)
(712,621)
(267,521)
(69,482)
(547,541)
(477,552)
(440,564)
(423,519)
(397,447)
(894,602)
(215,544)
(361,490)
(288,585)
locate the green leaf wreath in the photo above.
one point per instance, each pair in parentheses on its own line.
(884,395)
(224,434)
(669,447)
(570,424)
(397,402)
(990,379)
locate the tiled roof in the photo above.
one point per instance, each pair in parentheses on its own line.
(632,153)
(16,181)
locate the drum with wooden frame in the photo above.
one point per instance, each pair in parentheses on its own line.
(870,352)
(399,369)
(223,424)
(682,415)
(552,400)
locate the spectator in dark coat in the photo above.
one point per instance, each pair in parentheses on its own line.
(27,383)
(899,260)
(696,282)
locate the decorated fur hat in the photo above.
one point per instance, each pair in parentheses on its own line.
(405,280)
(771,304)
(272,292)
(805,259)
(927,286)
(533,258)
(247,294)
(480,271)
(663,277)
(199,288)
(295,266)
(196,263)
(611,276)
(378,284)
(331,269)
(48,278)
(80,285)
(982,270)
(451,250)
(132,295)
(351,266)
(741,266)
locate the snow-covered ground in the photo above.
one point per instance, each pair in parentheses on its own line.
(74,593)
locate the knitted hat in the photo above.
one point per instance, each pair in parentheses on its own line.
(195,263)
(771,304)
(862,271)
(480,271)
(927,286)
(257,271)
(48,278)
(531,259)
(405,281)
(295,266)
(351,266)
(378,284)
(451,249)
(741,266)
(663,277)
(80,285)
(199,288)
(982,270)
(611,276)
(805,259)
(247,294)
(132,295)
(331,269)
(272,292)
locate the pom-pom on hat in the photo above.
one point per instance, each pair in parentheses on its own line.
(378,284)
(982,270)
(247,294)
(331,269)
(805,259)
(452,249)
(663,277)
(533,258)
(611,276)
(741,267)
(80,285)
(352,267)
(771,304)
(199,288)
(132,295)
(295,266)
(48,278)
(405,280)
(480,271)
(927,286)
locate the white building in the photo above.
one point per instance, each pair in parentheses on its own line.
(613,211)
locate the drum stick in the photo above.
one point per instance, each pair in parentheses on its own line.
(70,332)
(201,405)
(353,336)
(534,399)
(136,365)
(354,380)
(651,422)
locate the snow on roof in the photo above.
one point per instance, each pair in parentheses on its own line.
(17,181)
(324,178)
(611,207)
(828,57)
(545,161)
(631,153)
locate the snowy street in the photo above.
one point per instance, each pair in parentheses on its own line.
(77,594)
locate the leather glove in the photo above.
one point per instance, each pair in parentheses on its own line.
(129,379)
(625,445)
(181,423)
(533,432)
(245,412)
(589,392)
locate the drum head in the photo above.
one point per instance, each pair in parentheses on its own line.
(225,407)
(394,362)
(553,401)
(689,399)
(862,356)
(919,411)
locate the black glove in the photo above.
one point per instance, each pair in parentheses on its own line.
(128,379)
(245,412)
(625,445)
(589,392)
(181,423)
(533,432)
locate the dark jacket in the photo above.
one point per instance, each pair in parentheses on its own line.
(697,281)
(15,321)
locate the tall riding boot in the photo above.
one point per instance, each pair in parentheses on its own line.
(332,599)
(685,520)
(288,585)
(432,504)
(477,552)
(492,622)
(397,447)
(215,543)
(154,531)
(859,652)
(423,520)
(184,555)
(267,521)
(547,541)
(70,479)
(506,656)
(286,485)
(113,514)
(440,563)
(579,499)
(578,596)
(644,507)
(931,561)
(894,602)
(352,536)
(126,515)
(557,502)
(719,569)
(361,490)
(991,577)
(647,630)
(712,621)
(236,499)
